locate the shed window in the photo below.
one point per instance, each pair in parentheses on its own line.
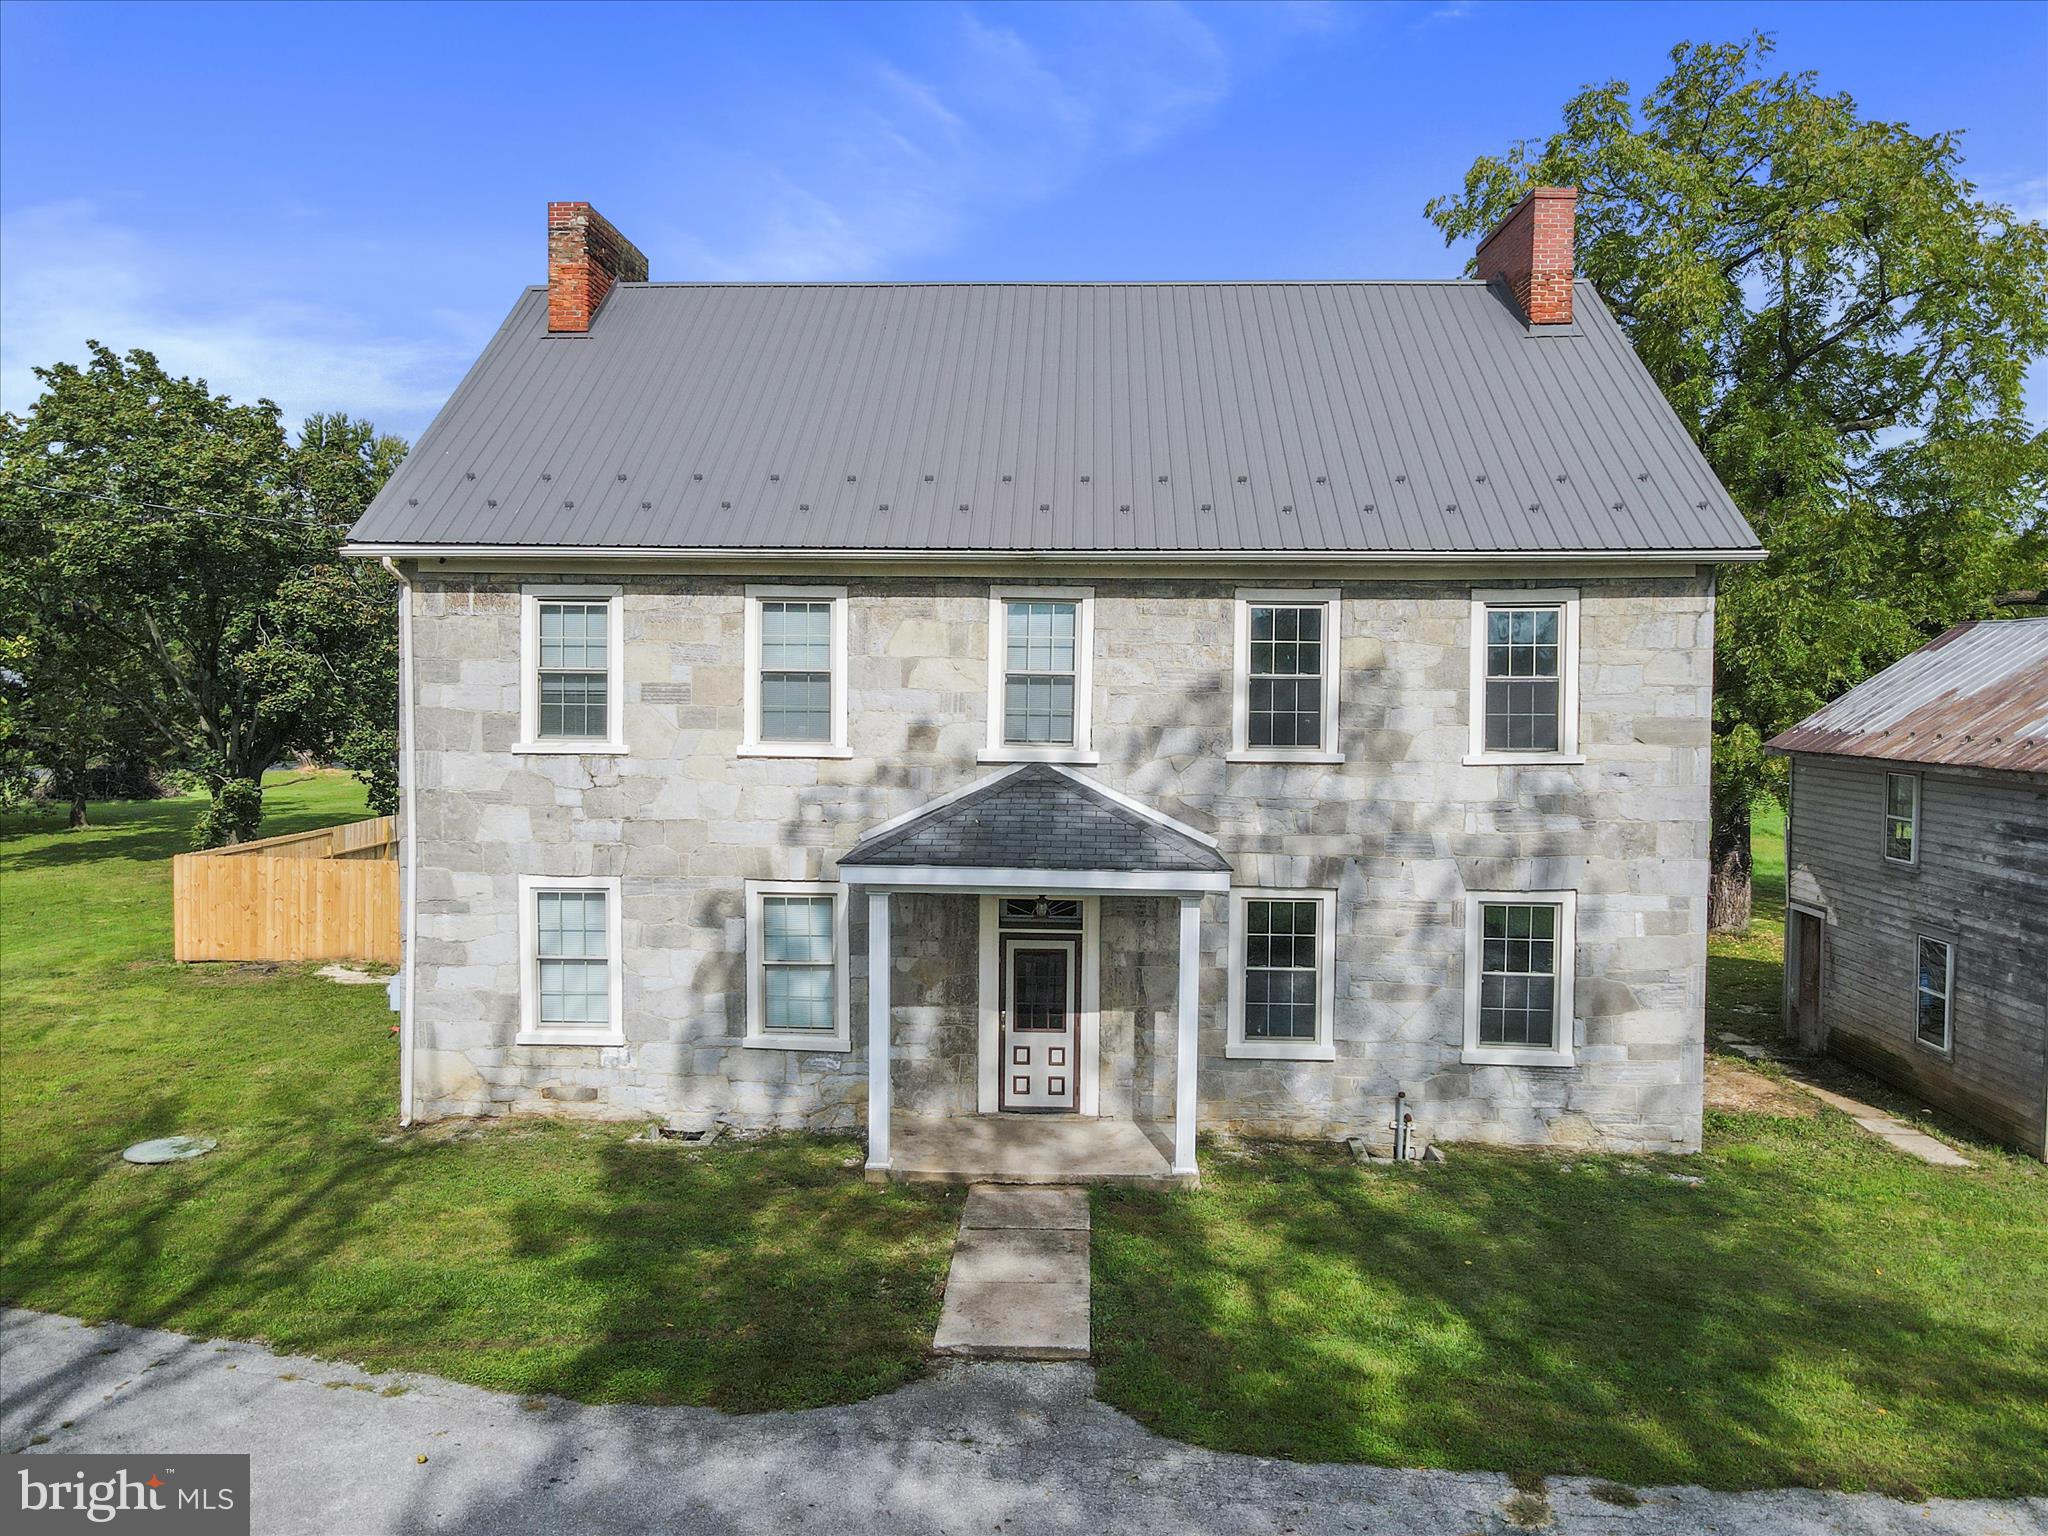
(1902,817)
(1935,993)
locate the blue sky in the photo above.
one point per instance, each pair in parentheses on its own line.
(335,205)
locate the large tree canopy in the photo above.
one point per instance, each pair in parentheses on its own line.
(1844,325)
(173,570)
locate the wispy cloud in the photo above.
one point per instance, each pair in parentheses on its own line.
(74,273)
(986,121)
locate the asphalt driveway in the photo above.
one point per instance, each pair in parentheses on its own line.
(976,1447)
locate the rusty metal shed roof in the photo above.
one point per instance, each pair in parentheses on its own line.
(1130,419)
(1976,697)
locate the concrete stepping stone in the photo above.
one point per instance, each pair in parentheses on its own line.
(1894,1133)
(1018,1288)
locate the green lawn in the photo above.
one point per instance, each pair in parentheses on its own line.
(1819,1311)
(533,1257)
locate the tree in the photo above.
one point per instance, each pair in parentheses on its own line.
(1843,324)
(170,536)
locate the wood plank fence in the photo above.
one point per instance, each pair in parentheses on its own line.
(325,895)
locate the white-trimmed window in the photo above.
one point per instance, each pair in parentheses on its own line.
(571,646)
(1284,694)
(1902,818)
(1282,985)
(571,973)
(1934,993)
(1525,677)
(1519,960)
(794,696)
(1041,648)
(796,966)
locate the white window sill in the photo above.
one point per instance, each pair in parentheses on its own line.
(1079,756)
(567,1037)
(1901,863)
(567,747)
(793,749)
(796,1043)
(1523,759)
(1510,1056)
(1278,1050)
(1943,1051)
(1280,755)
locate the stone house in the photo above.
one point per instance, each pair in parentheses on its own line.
(1916,858)
(1030,722)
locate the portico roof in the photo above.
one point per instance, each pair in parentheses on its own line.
(1038,820)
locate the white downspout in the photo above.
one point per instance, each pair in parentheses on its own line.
(407,803)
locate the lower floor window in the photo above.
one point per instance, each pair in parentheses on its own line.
(1518,977)
(1281,989)
(1934,995)
(569,933)
(796,965)
(1518,974)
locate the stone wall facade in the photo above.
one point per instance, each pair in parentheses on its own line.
(1400,830)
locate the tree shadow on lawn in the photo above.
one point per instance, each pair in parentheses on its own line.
(749,1276)
(1541,1313)
(215,1245)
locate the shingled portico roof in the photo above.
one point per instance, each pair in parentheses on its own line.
(1034,821)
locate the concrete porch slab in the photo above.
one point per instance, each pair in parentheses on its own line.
(1027,1149)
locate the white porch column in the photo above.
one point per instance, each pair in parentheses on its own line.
(878,1030)
(1184,1055)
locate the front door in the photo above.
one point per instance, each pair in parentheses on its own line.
(1041,1024)
(1805,979)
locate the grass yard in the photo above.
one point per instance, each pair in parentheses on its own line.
(532,1257)
(1818,1311)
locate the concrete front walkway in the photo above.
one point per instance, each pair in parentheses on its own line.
(1018,1288)
(980,1447)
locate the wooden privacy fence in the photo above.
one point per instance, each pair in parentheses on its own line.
(325,895)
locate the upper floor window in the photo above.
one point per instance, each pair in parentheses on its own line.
(1281,988)
(1525,685)
(1285,688)
(795,690)
(571,640)
(571,973)
(1902,817)
(1041,644)
(796,965)
(1519,948)
(1934,997)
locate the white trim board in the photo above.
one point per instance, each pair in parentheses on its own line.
(1449,562)
(1046,882)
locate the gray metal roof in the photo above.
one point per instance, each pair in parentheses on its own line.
(1035,818)
(1168,418)
(1975,697)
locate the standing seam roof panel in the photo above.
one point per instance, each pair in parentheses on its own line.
(1354,382)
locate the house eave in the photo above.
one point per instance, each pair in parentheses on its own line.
(1179,560)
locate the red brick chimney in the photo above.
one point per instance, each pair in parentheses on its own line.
(1531,251)
(586,256)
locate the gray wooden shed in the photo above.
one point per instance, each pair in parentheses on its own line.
(1916,924)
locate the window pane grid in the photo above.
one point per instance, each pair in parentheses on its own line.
(1902,815)
(1518,975)
(1523,688)
(797,963)
(1039,659)
(575,971)
(1280,969)
(796,670)
(1285,676)
(1931,1011)
(575,684)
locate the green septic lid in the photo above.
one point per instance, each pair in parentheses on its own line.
(169,1149)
